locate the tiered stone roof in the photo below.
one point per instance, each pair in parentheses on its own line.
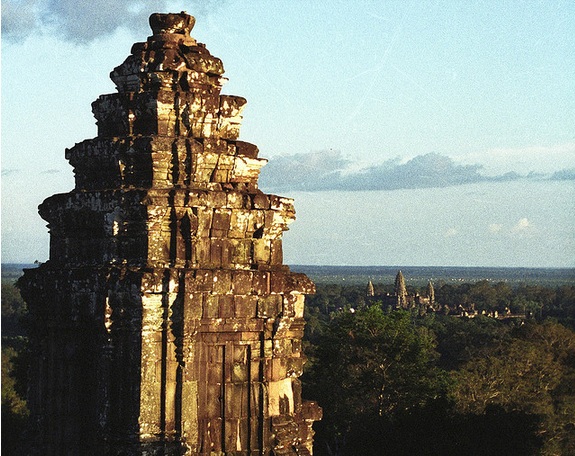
(165,320)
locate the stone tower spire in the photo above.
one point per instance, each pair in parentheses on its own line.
(430,292)
(400,290)
(370,291)
(164,320)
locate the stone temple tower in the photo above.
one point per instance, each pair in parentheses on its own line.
(164,322)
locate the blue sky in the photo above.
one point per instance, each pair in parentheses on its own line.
(409,133)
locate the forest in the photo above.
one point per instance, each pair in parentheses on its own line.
(408,382)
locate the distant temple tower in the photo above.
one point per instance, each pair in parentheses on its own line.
(164,322)
(400,291)
(370,291)
(430,293)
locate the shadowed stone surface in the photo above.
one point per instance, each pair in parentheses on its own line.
(164,322)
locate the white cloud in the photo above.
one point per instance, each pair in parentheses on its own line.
(536,158)
(84,22)
(522,225)
(495,227)
(451,232)
(329,170)
(19,18)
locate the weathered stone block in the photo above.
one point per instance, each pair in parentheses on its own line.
(262,251)
(241,282)
(261,283)
(245,306)
(227,308)
(193,309)
(269,306)
(211,306)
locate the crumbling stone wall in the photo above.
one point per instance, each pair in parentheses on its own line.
(165,321)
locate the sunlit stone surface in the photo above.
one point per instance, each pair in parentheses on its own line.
(164,321)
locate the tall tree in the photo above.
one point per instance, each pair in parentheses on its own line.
(371,364)
(533,373)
